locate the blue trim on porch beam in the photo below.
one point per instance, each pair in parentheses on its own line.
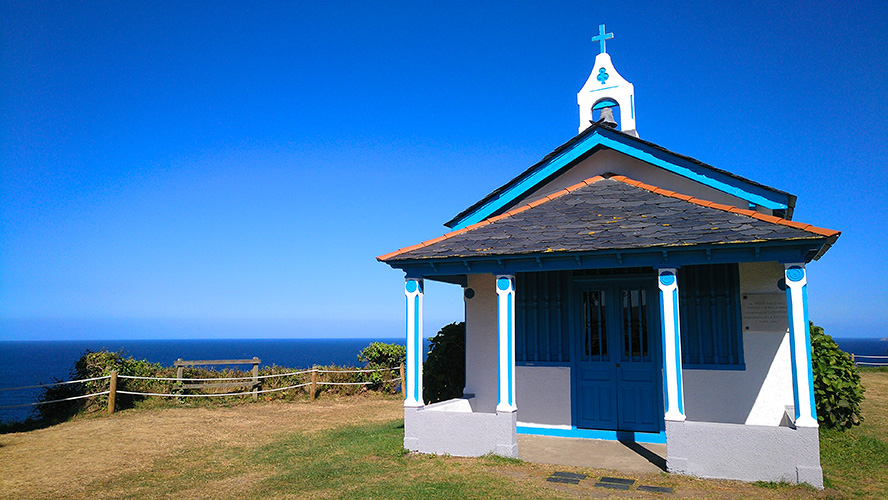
(574,432)
(651,257)
(602,137)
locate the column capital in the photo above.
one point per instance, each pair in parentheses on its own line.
(795,274)
(667,278)
(505,283)
(413,286)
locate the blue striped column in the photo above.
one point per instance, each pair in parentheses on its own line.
(800,345)
(505,323)
(673,390)
(413,289)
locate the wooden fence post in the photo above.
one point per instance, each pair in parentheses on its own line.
(314,382)
(179,370)
(852,359)
(255,378)
(403,380)
(112,395)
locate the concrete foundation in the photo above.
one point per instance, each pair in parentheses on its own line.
(452,428)
(744,452)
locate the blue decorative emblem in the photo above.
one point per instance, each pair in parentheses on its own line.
(503,283)
(602,75)
(667,278)
(411,286)
(795,274)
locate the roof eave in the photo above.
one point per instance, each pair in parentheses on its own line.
(795,250)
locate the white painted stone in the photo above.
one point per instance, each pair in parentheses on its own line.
(505,305)
(543,396)
(615,87)
(799,348)
(481,343)
(758,394)
(610,161)
(413,397)
(673,386)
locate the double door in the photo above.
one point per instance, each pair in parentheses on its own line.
(617,360)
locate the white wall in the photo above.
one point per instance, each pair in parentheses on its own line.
(608,160)
(481,343)
(542,392)
(543,395)
(759,394)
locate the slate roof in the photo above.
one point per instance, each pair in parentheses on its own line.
(625,138)
(610,214)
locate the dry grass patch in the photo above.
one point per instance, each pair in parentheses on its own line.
(64,460)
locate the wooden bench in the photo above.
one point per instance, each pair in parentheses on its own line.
(255,384)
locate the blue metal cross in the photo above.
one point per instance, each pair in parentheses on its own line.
(602,36)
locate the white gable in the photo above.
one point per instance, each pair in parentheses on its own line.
(615,162)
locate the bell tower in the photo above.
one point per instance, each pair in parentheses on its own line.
(605,88)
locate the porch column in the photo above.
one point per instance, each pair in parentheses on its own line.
(413,289)
(505,322)
(800,345)
(673,389)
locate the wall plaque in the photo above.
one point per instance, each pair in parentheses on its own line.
(764,312)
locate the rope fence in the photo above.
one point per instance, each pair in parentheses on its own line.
(55,383)
(855,357)
(253,381)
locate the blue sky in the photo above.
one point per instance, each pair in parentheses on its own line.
(240,166)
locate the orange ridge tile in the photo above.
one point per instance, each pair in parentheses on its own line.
(728,208)
(434,240)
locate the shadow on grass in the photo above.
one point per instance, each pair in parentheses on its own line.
(29,424)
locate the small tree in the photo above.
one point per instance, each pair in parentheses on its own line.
(382,355)
(444,371)
(837,388)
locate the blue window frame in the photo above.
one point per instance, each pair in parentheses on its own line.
(711,336)
(543,319)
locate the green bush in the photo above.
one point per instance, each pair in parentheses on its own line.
(837,388)
(382,355)
(444,371)
(92,365)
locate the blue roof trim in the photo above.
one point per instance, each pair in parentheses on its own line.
(603,137)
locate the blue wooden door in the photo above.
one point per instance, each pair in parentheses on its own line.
(616,372)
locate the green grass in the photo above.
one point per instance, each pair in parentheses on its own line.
(356,462)
(370,462)
(855,462)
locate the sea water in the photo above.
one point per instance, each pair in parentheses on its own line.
(24,363)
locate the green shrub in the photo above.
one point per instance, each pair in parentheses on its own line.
(837,388)
(92,365)
(382,355)
(444,371)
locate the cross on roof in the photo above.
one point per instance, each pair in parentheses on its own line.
(602,36)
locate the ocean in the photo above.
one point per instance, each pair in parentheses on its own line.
(24,363)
